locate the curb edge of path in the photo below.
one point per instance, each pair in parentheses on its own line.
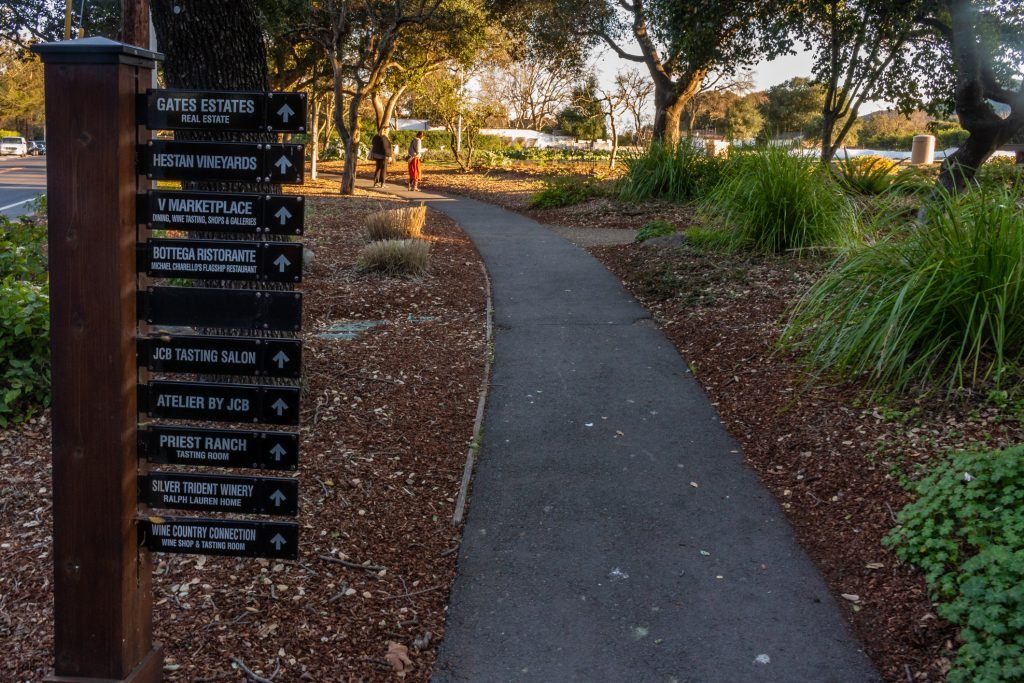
(474,444)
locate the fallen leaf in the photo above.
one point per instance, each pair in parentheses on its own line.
(398,658)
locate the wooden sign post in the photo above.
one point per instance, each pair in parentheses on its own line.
(99,114)
(102,579)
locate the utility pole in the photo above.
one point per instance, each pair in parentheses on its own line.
(135,22)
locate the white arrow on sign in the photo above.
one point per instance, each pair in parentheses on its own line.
(278,541)
(283,214)
(285,112)
(283,164)
(281,359)
(277,451)
(278,498)
(281,262)
(280,406)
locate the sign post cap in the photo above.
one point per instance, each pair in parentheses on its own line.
(95,50)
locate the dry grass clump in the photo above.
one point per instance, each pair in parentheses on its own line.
(396,224)
(394,258)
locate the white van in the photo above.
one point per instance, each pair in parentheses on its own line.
(12,145)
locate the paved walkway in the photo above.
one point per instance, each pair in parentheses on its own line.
(614,533)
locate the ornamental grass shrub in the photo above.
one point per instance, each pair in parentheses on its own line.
(965,531)
(771,201)
(396,224)
(867,175)
(394,258)
(939,307)
(681,174)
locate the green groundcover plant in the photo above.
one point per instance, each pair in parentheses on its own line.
(965,531)
(940,305)
(680,175)
(566,191)
(772,201)
(24,320)
(655,228)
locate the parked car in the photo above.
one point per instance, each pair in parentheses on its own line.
(35,149)
(13,145)
(41,144)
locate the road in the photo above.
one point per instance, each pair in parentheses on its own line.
(21,181)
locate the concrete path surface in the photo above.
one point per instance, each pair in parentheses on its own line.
(614,532)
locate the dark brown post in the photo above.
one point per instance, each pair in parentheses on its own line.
(102,580)
(135,22)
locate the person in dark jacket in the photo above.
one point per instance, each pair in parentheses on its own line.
(380,151)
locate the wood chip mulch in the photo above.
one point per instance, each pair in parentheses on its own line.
(386,421)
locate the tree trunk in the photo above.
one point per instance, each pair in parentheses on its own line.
(615,137)
(346,119)
(214,46)
(135,22)
(958,171)
(314,139)
(668,113)
(987,130)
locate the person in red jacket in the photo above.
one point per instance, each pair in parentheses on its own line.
(416,150)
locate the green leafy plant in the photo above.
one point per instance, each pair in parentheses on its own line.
(965,531)
(1001,172)
(24,320)
(680,174)
(865,175)
(943,306)
(566,191)
(22,249)
(772,201)
(394,258)
(657,228)
(24,348)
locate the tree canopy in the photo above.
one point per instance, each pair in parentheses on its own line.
(680,44)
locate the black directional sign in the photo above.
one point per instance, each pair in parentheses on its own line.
(212,307)
(220,493)
(220,447)
(220,402)
(221,259)
(222,355)
(227,161)
(276,540)
(213,212)
(225,110)
(286,111)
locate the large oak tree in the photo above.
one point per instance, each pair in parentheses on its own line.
(681,43)
(986,51)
